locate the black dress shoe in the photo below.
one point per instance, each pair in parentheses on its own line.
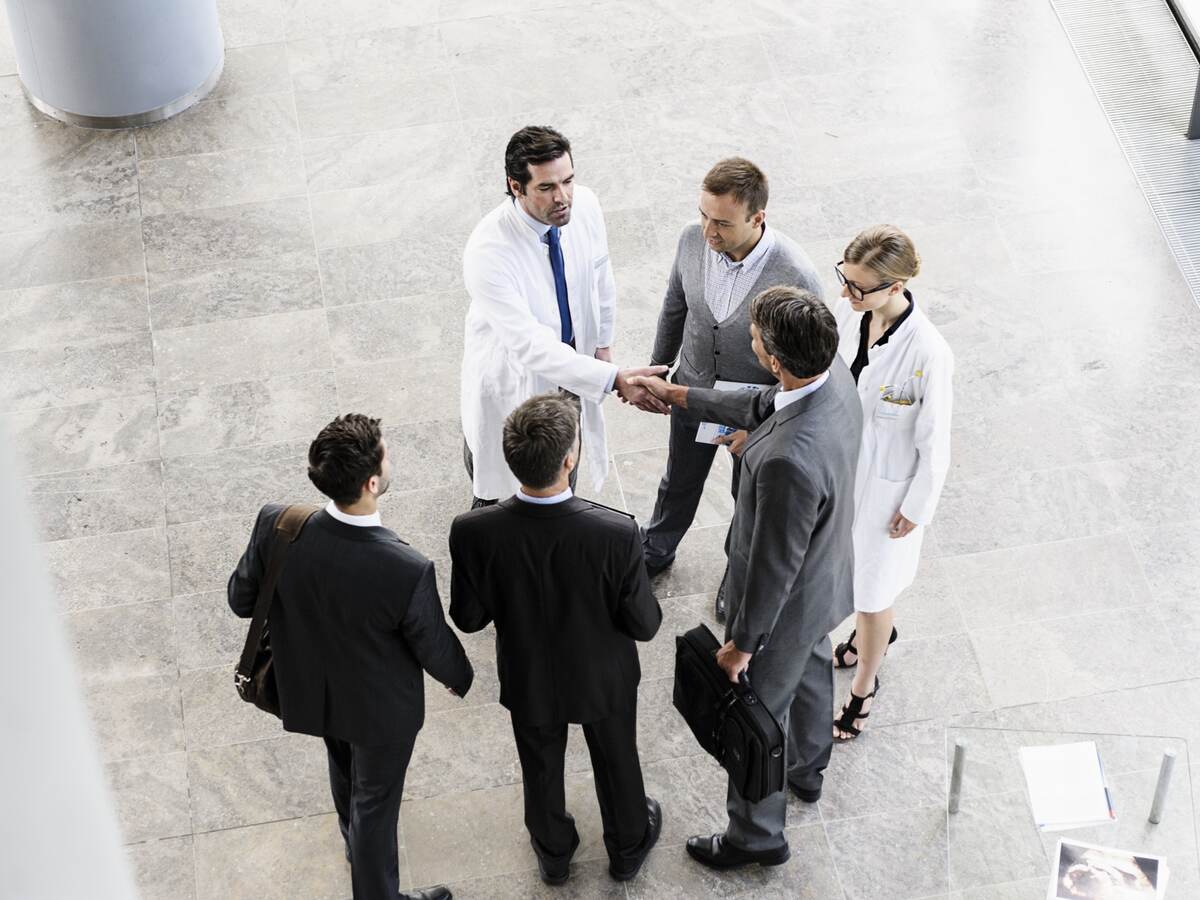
(655,567)
(717,853)
(437,892)
(653,830)
(554,872)
(807,794)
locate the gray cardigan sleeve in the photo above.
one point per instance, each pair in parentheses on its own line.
(671,318)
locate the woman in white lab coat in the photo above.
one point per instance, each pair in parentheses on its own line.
(903,368)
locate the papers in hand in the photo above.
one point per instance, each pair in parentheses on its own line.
(708,432)
(1101,873)
(1066,786)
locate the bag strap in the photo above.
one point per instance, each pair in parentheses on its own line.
(287,528)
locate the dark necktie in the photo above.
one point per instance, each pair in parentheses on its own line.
(560,285)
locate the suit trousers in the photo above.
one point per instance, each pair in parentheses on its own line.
(681,488)
(612,744)
(799,694)
(469,464)
(367,783)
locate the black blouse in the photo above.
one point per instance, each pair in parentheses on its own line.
(864,335)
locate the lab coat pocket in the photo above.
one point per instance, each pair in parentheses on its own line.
(896,445)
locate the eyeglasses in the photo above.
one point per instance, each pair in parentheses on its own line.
(858,293)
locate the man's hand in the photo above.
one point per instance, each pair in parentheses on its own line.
(899,526)
(733,661)
(604,354)
(671,394)
(735,442)
(630,391)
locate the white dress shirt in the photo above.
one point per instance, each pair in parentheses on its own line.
(361,521)
(784,398)
(545,501)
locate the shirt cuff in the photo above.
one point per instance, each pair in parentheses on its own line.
(612,381)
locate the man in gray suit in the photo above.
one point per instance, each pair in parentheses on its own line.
(728,256)
(791,556)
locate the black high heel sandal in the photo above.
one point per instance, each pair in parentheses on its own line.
(847,646)
(852,712)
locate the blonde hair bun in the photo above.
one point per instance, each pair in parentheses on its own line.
(885,250)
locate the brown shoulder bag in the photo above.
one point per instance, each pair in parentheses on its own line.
(255,675)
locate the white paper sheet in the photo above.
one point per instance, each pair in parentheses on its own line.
(710,431)
(1066,786)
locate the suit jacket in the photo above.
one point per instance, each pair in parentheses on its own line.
(567,588)
(709,351)
(791,552)
(355,620)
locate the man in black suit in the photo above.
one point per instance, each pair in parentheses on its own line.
(355,620)
(565,582)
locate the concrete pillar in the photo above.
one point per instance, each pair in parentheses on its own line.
(116,63)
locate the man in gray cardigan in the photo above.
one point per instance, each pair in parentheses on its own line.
(791,554)
(729,255)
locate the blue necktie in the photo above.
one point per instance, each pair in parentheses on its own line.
(560,285)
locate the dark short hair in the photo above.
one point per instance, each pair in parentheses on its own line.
(343,457)
(741,178)
(797,329)
(532,145)
(538,435)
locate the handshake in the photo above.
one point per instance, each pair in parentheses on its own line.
(645,388)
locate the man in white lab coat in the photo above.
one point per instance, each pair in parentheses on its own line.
(542,313)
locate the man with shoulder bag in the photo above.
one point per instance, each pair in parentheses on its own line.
(354,620)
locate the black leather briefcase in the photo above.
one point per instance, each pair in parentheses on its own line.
(727,719)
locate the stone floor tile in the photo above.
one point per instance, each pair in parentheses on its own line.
(241,350)
(151,795)
(31,258)
(691,791)
(207,633)
(305,18)
(392,211)
(67,375)
(641,471)
(419,99)
(100,196)
(331,60)
(699,564)
(893,855)
(382,157)
(77,313)
(588,880)
(259,67)
(214,715)
(929,607)
(261,781)
(164,870)
(237,482)
(422,518)
(86,436)
(1046,581)
(232,123)
(662,732)
(118,643)
(97,501)
(484,752)
(670,68)
(280,860)
(225,416)
(913,683)
(425,454)
(993,840)
(630,429)
(809,874)
(109,570)
(1026,508)
(1152,490)
(412,391)
(398,330)
(887,768)
(239,289)
(401,268)
(136,717)
(1045,431)
(222,234)
(254,175)
(485,689)
(488,87)
(1074,656)
(204,554)
(53,147)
